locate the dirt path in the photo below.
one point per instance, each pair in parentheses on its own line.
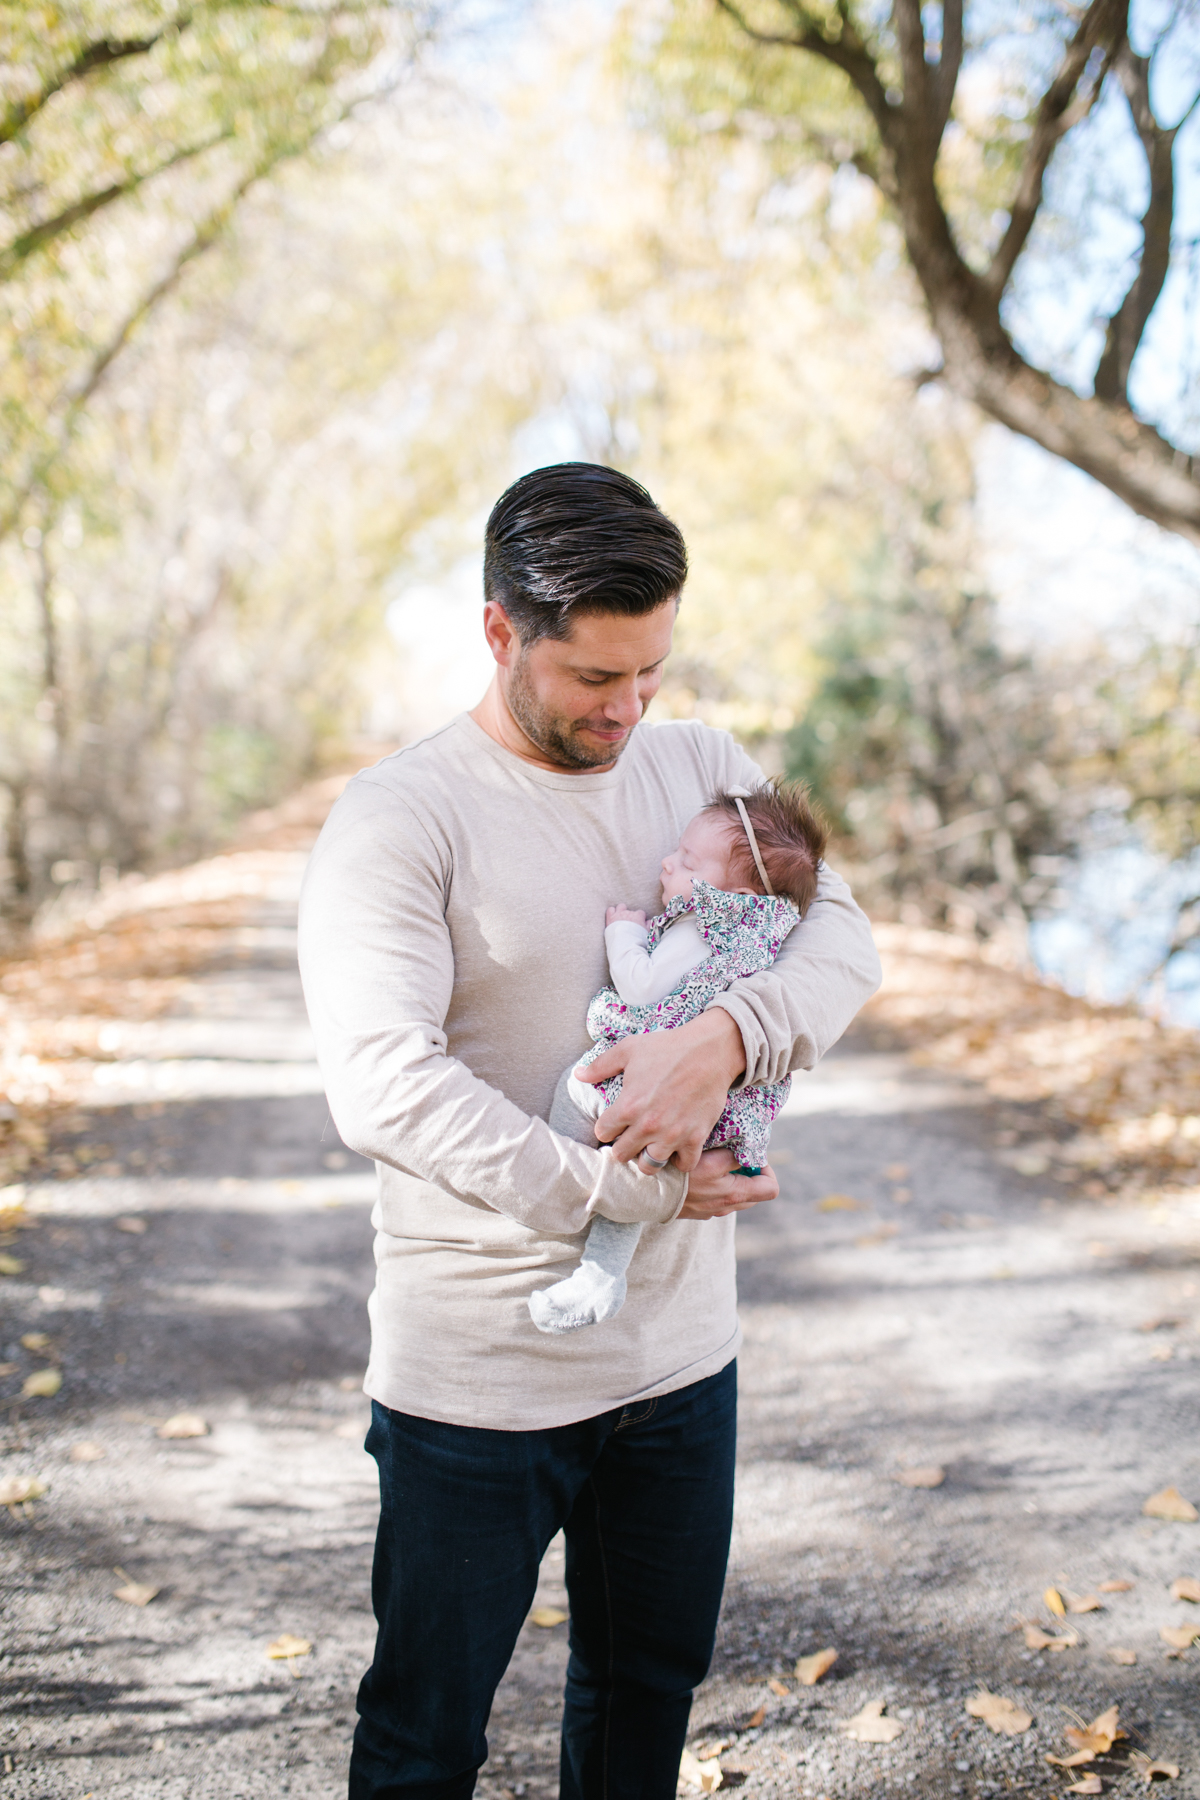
(961,1313)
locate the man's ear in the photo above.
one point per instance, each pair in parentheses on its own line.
(500,633)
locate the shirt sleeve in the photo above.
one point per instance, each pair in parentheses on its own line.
(790,1014)
(643,976)
(377,965)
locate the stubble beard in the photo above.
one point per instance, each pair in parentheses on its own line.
(553,735)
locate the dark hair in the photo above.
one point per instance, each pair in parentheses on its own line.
(578,538)
(792,837)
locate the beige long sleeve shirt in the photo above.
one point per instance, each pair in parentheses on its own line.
(451,936)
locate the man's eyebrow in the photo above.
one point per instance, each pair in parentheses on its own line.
(611,674)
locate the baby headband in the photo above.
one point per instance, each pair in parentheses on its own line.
(739,797)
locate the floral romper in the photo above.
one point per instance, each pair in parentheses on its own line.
(745,932)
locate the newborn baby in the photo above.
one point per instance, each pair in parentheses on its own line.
(743,875)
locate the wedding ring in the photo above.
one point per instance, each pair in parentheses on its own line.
(653,1160)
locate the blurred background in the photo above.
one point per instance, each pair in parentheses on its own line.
(289,294)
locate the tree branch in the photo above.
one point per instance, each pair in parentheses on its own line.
(846,52)
(1103,26)
(23,247)
(98,55)
(949,64)
(1128,324)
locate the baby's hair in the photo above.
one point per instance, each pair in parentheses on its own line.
(791,834)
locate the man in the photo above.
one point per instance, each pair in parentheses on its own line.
(451,937)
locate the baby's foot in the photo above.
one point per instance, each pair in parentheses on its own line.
(587,1297)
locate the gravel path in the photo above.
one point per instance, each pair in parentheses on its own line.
(921,1294)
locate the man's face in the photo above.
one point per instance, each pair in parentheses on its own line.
(578,699)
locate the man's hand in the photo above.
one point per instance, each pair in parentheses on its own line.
(674,1088)
(618,915)
(714,1190)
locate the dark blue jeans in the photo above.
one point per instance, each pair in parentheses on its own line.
(644,1497)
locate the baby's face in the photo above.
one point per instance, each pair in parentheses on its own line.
(703,851)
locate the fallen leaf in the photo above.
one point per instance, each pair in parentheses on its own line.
(132,1224)
(809,1669)
(1098,1738)
(547,1616)
(285,1646)
(705,1777)
(840,1203)
(1114,1587)
(35,1340)
(184,1425)
(1162,1353)
(896,1172)
(87,1452)
(11,1265)
(1053,1601)
(135,1593)
(756,1718)
(1186,1587)
(870,1727)
(998,1713)
(1037,1639)
(1180,1637)
(9,1368)
(1160,1324)
(351,1384)
(1126,1658)
(16,1489)
(1148,1770)
(1091,1784)
(1085,1603)
(1170,1504)
(43,1384)
(882,1236)
(777,1687)
(1073,1761)
(928,1475)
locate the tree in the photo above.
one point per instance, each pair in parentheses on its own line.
(892,107)
(129,135)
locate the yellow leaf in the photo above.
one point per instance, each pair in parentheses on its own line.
(929,1475)
(705,1777)
(896,1172)
(43,1384)
(16,1489)
(884,1234)
(1114,1587)
(1150,1769)
(810,1669)
(1098,1738)
(184,1425)
(870,1727)
(1091,1784)
(1052,1600)
(286,1646)
(1170,1504)
(133,1224)
(1037,1639)
(1185,1587)
(998,1713)
(840,1203)
(1073,1761)
(1126,1658)
(35,1340)
(1085,1603)
(11,1265)
(547,1616)
(135,1593)
(87,1452)
(777,1687)
(756,1718)
(1180,1637)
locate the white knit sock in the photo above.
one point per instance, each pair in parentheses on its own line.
(596,1291)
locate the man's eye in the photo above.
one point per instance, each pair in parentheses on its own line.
(593,680)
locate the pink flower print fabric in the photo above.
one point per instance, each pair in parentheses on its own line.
(745,932)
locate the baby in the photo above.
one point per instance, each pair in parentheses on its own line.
(743,874)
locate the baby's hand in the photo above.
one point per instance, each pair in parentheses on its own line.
(619,915)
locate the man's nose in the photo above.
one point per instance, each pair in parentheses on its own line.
(626,706)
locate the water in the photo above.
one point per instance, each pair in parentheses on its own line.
(1114,926)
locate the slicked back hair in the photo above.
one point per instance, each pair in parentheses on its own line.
(792,838)
(578,538)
